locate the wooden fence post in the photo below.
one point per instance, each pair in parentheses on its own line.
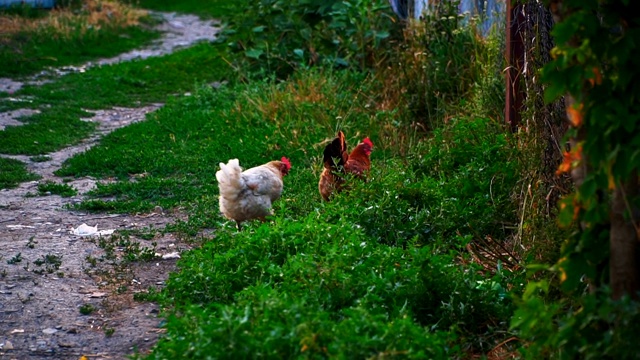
(515,64)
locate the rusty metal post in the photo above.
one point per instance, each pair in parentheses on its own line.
(515,64)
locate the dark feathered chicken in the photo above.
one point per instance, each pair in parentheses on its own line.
(338,163)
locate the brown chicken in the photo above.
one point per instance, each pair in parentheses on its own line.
(356,163)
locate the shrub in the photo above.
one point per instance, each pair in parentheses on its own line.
(444,67)
(277,36)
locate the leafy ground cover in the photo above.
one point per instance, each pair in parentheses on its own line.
(375,272)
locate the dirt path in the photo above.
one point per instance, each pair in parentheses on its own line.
(64,295)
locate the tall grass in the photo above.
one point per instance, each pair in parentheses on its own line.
(443,67)
(68,22)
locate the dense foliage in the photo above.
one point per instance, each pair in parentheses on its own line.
(595,67)
(277,36)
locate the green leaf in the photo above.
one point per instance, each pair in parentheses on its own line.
(572,271)
(588,188)
(537,267)
(533,288)
(382,35)
(565,216)
(341,62)
(258,29)
(299,53)
(254,53)
(564,30)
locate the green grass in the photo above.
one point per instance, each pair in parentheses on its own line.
(50,130)
(180,145)
(14,172)
(27,53)
(125,84)
(132,83)
(53,188)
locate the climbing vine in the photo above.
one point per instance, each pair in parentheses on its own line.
(594,68)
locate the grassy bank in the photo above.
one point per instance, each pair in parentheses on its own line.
(33,39)
(85,34)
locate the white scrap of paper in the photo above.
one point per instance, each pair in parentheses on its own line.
(86,230)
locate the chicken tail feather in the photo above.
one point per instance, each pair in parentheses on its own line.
(337,149)
(229,179)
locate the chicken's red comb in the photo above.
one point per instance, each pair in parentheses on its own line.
(368,142)
(286,162)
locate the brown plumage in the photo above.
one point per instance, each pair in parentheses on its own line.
(357,163)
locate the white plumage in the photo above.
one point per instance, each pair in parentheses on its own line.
(249,194)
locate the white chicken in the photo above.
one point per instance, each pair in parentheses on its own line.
(247,195)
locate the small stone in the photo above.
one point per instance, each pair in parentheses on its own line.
(176,24)
(59,327)
(49,331)
(8,345)
(66,344)
(72,331)
(172,255)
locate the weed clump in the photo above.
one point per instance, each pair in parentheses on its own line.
(53,188)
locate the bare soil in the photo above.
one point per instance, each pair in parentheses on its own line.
(64,295)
